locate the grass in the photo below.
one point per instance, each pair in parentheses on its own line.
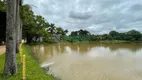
(113,41)
(102,41)
(33,70)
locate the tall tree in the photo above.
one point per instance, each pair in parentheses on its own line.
(74,33)
(27,17)
(34,26)
(17,23)
(52,28)
(10,66)
(115,35)
(83,32)
(134,35)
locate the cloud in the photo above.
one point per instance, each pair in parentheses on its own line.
(81,16)
(136,7)
(97,16)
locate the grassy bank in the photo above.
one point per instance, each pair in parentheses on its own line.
(105,41)
(113,41)
(33,70)
(117,41)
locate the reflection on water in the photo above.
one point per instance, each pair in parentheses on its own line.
(88,61)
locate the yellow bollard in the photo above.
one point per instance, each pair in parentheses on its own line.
(21,56)
(24,68)
(21,52)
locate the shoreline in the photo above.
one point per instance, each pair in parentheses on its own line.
(105,41)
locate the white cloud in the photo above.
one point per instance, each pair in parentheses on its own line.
(97,16)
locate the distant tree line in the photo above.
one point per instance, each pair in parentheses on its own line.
(84,35)
(131,35)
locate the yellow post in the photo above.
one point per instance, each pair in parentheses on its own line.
(24,68)
(21,57)
(21,52)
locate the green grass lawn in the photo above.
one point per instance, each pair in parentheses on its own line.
(33,70)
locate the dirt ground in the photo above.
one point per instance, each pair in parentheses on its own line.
(2,49)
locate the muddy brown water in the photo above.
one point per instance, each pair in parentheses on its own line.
(91,61)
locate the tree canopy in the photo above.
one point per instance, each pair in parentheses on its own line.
(84,35)
(131,35)
(35,26)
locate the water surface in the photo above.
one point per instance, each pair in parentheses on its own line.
(91,61)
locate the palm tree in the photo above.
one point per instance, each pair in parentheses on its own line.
(10,67)
(52,28)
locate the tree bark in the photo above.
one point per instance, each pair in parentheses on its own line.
(17,26)
(21,24)
(10,66)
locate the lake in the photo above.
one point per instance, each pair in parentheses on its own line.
(91,61)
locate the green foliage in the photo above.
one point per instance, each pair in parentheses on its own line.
(114,36)
(83,32)
(2,6)
(35,26)
(66,31)
(59,30)
(80,32)
(51,28)
(77,36)
(74,33)
(132,35)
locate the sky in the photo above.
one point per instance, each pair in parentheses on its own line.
(96,16)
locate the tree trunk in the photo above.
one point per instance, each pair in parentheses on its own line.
(21,24)
(10,67)
(17,26)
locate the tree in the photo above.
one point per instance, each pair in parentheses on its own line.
(114,35)
(35,26)
(3,9)
(27,17)
(105,37)
(83,32)
(60,31)
(18,22)
(40,26)
(134,35)
(10,66)
(52,28)
(74,33)
(123,36)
